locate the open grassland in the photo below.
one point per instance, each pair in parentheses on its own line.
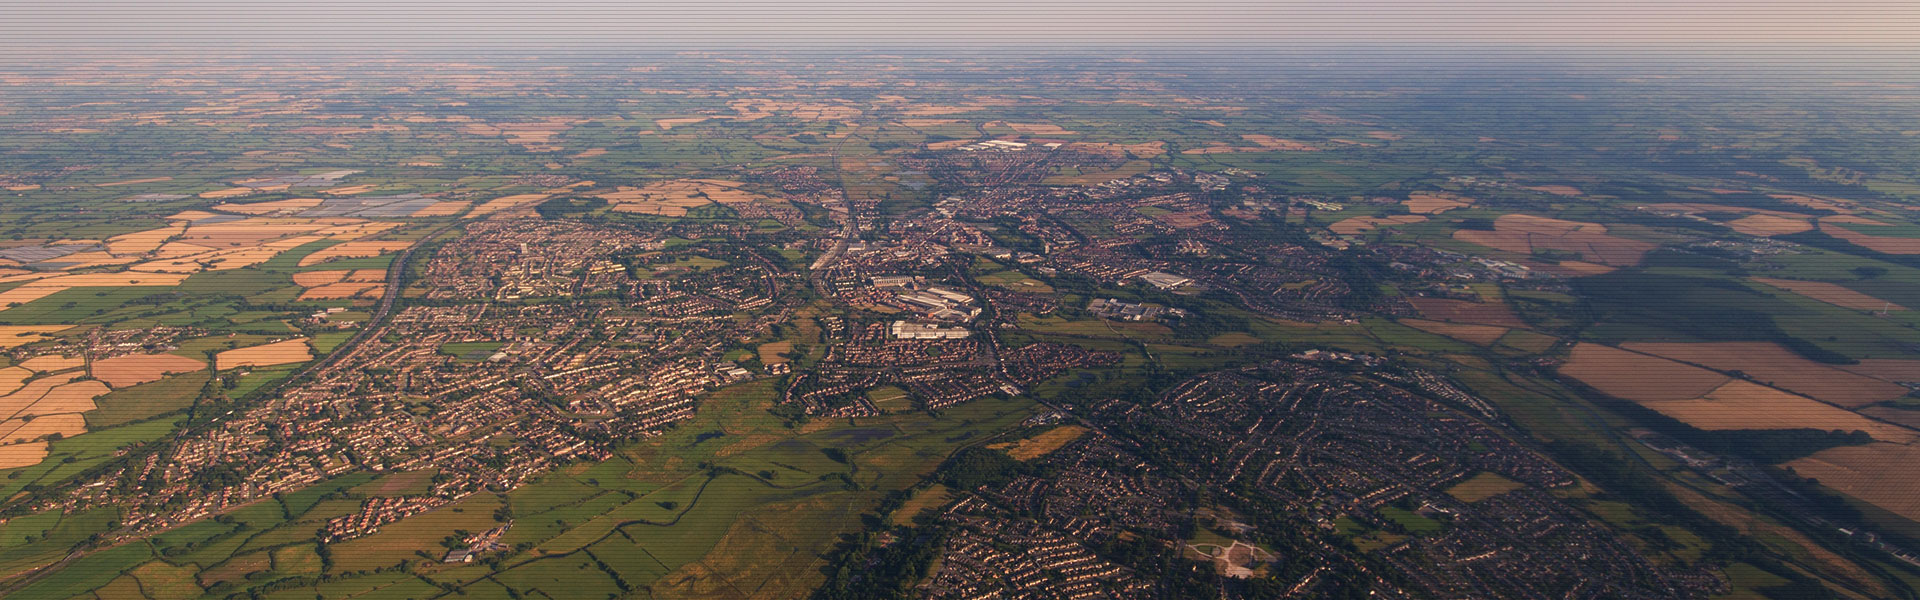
(312,279)
(442,209)
(278,353)
(1015,280)
(732,499)
(1040,129)
(1360,225)
(1097,328)
(420,533)
(1494,313)
(339,291)
(771,352)
(508,204)
(1261,143)
(147,400)
(1528,341)
(1476,334)
(923,501)
(1041,444)
(1076,176)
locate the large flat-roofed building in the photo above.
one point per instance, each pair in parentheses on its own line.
(906,330)
(1128,311)
(893,281)
(995,145)
(1165,281)
(950,295)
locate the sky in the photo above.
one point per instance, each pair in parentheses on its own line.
(759,23)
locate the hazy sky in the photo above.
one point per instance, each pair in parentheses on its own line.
(857,22)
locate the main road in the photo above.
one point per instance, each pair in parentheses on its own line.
(396,284)
(849,230)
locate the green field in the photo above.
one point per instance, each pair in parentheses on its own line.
(763,511)
(1482,486)
(470,351)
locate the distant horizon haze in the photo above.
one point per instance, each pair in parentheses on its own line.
(764,23)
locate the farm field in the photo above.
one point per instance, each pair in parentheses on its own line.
(1360,225)
(1778,367)
(1638,377)
(1489,314)
(1880,474)
(353,250)
(1766,225)
(135,369)
(265,355)
(1743,405)
(1834,294)
(1528,234)
(1477,334)
(673,198)
(1425,203)
(1860,231)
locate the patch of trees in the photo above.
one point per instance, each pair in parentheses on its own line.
(1823,241)
(1705,308)
(1704,257)
(1761,201)
(1274,229)
(1617,475)
(1826,504)
(1477,223)
(790,414)
(1774,446)
(864,568)
(977,466)
(569,207)
(1362,276)
(1634,217)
